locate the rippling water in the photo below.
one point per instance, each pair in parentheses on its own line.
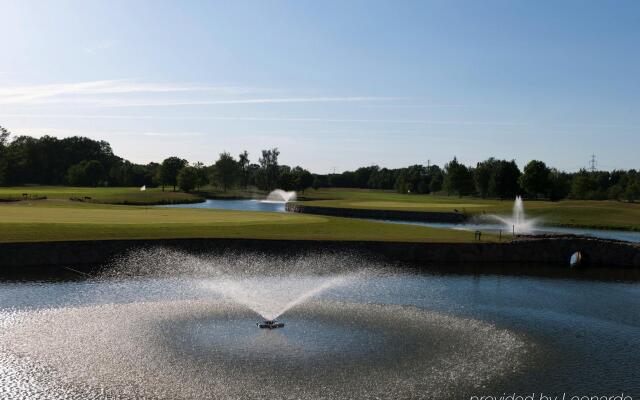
(391,335)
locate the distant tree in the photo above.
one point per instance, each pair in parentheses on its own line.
(93,172)
(286,178)
(382,178)
(559,185)
(363,175)
(4,136)
(482,176)
(76,175)
(4,141)
(302,179)
(226,171)
(437,178)
(168,171)
(188,178)
(317,181)
(85,173)
(269,169)
(535,179)
(504,180)
(201,171)
(243,164)
(633,192)
(583,185)
(458,178)
(413,179)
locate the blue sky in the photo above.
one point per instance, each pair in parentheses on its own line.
(332,84)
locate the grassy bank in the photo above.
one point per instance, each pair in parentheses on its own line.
(56,220)
(118,195)
(577,213)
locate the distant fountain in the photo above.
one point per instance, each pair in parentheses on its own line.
(518,223)
(280,196)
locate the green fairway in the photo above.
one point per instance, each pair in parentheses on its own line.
(119,195)
(583,213)
(55,220)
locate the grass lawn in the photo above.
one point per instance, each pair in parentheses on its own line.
(119,195)
(55,220)
(597,214)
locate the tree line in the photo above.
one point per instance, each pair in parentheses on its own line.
(493,178)
(80,161)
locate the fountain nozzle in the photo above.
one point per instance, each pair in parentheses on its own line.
(270,324)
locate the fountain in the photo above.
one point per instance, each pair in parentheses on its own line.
(518,223)
(270,297)
(280,196)
(162,323)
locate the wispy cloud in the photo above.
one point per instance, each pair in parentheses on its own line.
(62,132)
(129,93)
(273,100)
(269,119)
(78,92)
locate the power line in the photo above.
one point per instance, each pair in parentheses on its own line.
(593,163)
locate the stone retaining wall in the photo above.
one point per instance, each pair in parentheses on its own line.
(545,250)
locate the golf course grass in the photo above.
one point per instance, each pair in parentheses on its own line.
(576,213)
(58,220)
(116,195)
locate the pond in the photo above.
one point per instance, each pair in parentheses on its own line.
(187,329)
(239,205)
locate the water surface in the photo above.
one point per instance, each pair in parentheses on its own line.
(392,335)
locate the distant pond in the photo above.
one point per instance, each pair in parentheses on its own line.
(239,205)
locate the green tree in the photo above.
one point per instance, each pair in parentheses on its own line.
(4,141)
(536,178)
(269,169)
(633,192)
(76,176)
(201,171)
(93,172)
(243,164)
(504,180)
(188,178)
(482,176)
(302,179)
(559,185)
(437,178)
(4,136)
(458,178)
(225,171)
(286,178)
(583,185)
(85,173)
(168,171)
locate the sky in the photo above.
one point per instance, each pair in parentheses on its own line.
(333,84)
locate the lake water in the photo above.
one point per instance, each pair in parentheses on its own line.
(239,205)
(387,334)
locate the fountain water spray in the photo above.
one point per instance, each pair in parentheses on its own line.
(268,284)
(280,196)
(518,223)
(271,296)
